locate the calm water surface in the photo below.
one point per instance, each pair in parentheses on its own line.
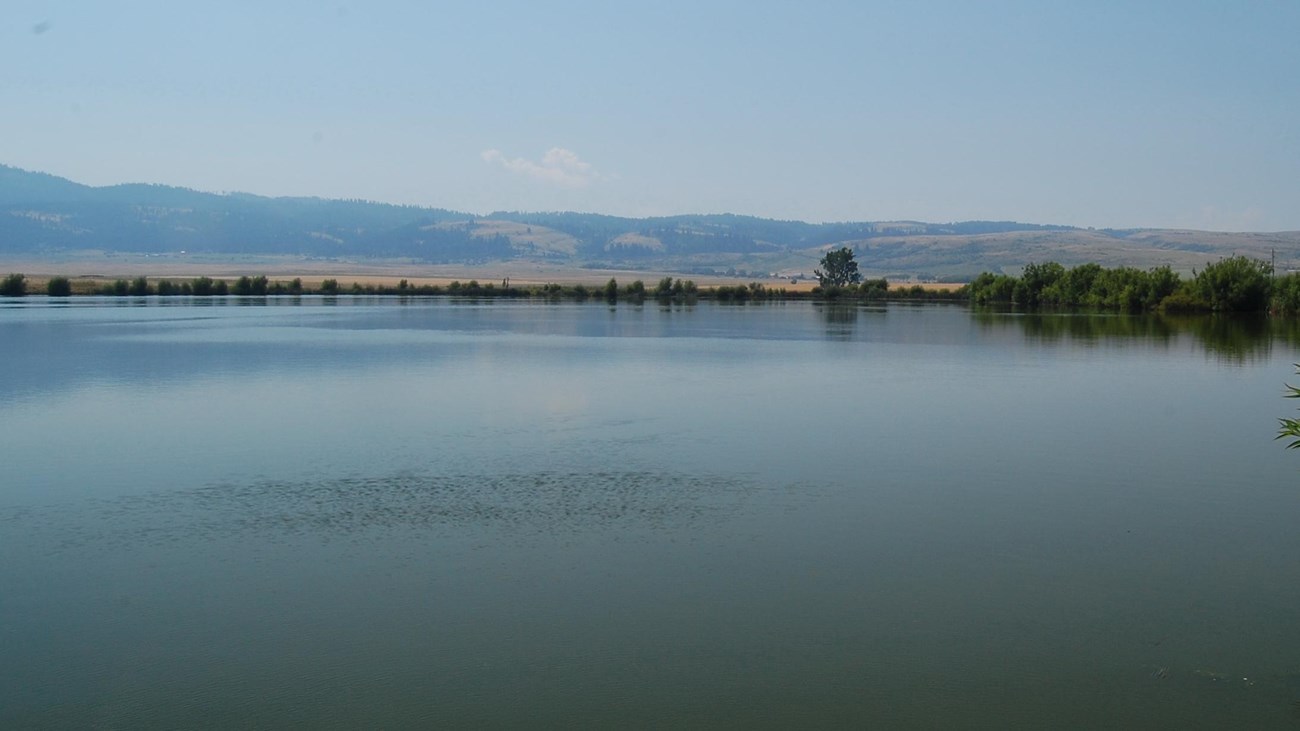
(383,513)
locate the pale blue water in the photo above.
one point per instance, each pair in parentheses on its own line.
(384,513)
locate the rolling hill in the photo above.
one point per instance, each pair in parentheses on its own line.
(44,215)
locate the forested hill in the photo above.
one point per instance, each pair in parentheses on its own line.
(44,214)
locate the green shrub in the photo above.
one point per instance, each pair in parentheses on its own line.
(1163,282)
(1235,284)
(1183,300)
(1028,290)
(14,285)
(59,287)
(1286,295)
(989,288)
(873,288)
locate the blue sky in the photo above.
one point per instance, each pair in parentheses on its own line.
(1119,114)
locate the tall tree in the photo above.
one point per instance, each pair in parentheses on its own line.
(838,269)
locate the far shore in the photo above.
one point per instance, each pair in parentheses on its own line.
(87,274)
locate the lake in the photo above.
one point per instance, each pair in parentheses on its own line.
(384,513)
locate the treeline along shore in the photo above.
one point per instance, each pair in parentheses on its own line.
(1233,284)
(667,288)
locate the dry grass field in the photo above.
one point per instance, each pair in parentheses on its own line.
(91,272)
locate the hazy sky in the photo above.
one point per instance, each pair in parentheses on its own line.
(1123,114)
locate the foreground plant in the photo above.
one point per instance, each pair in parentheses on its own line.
(1290,428)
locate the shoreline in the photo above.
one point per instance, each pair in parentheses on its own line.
(88,274)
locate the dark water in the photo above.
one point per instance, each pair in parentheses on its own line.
(373,513)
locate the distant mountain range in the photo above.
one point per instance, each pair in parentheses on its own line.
(45,215)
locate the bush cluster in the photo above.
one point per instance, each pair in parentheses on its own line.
(14,285)
(1234,284)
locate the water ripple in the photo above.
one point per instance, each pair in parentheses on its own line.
(540,503)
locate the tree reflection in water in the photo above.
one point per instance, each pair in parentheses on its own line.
(1233,338)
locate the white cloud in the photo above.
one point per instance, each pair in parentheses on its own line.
(559,166)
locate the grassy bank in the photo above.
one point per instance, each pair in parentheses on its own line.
(1234,284)
(667,288)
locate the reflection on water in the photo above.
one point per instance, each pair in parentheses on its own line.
(841,318)
(1239,338)
(1092,327)
(1233,338)
(377,512)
